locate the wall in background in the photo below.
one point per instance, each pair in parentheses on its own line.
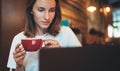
(12,22)
(75,12)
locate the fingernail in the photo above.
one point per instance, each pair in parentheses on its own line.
(22,49)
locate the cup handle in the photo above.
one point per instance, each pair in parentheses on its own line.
(42,44)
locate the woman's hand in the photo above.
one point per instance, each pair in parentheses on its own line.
(19,55)
(49,43)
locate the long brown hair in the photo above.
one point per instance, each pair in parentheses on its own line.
(30,27)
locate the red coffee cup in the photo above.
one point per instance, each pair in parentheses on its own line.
(31,44)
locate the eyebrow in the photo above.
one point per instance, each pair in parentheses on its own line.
(44,8)
(41,8)
(52,7)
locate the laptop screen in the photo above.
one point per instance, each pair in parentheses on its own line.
(80,59)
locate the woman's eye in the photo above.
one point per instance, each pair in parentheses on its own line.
(52,10)
(40,9)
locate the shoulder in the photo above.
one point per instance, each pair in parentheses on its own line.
(19,35)
(65,29)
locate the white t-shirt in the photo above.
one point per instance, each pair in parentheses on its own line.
(66,38)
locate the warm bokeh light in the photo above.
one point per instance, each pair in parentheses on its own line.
(101,10)
(107,9)
(91,9)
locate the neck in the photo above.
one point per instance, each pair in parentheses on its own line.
(40,31)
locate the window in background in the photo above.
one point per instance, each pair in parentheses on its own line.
(116,23)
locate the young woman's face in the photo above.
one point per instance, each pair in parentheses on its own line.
(44,13)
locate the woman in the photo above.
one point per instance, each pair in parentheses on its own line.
(44,17)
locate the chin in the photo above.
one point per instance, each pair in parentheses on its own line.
(45,27)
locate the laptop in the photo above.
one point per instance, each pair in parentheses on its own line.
(80,59)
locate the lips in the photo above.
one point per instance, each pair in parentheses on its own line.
(46,22)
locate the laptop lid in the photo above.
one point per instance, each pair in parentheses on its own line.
(80,59)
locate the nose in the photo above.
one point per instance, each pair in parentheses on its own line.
(46,16)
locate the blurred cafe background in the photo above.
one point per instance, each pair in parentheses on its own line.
(95,22)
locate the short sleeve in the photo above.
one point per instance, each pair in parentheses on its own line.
(11,62)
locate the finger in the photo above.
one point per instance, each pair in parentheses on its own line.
(53,46)
(19,58)
(17,46)
(17,55)
(19,61)
(17,49)
(21,48)
(49,42)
